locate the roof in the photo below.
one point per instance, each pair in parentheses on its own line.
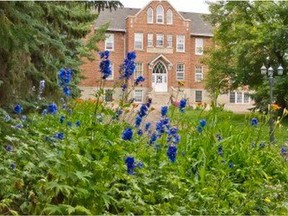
(117,19)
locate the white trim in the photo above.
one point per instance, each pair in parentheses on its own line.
(109,35)
(161,56)
(142,68)
(196,47)
(163,40)
(199,34)
(142,95)
(177,42)
(242,97)
(163,14)
(148,39)
(171,23)
(139,33)
(148,16)
(177,72)
(199,90)
(202,73)
(169,35)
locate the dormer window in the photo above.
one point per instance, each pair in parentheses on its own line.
(160,14)
(169,17)
(150,15)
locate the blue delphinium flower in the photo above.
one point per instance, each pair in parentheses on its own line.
(105,67)
(138,121)
(283,150)
(124,87)
(149,101)
(182,104)
(7,118)
(153,138)
(59,136)
(202,122)
(18,109)
(140,132)
(66,91)
(164,111)
(254,121)
(171,153)
(65,76)
(231,165)
(139,80)
(44,112)
(13,166)
(52,108)
(78,123)
(130,163)
(17,126)
(127,134)
(199,129)
(9,148)
(62,118)
(104,54)
(147,126)
(220,151)
(128,67)
(69,124)
(143,111)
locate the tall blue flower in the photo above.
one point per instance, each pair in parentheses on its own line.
(149,102)
(147,126)
(164,111)
(254,121)
(220,151)
(138,121)
(105,54)
(139,80)
(130,163)
(65,76)
(105,65)
(153,138)
(143,110)
(18,109)
(62,118)
(284,150)
(199,129)
(171,153)
(127,134)
(52,108)
(67,91)
(128,67)
(140,132)
(202,122)
(59,135)
(9,148)
(78,123)
(182,104)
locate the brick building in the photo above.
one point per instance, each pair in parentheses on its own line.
(169,45)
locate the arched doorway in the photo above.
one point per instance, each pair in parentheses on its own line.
(159,77)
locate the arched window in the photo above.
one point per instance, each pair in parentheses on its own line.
(149,15)
(169,17)
(160,14)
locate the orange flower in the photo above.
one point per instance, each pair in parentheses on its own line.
(275,107)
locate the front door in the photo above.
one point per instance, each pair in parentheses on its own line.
(159,78)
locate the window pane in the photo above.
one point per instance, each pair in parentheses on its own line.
(138,41)
(180,72)
(198,73)
(138,95)
(160,40)
(160,14)
(239,97)
(198,96)
(198,46)
(180,46)
(232,97)
(139,70)
(246,97)
(150,40)
(169,41)
(109,42)
(169,17)
(108,95)
(150,15)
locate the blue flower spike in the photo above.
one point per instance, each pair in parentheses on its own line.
(127,134)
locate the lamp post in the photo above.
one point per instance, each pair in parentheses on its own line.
(271,84)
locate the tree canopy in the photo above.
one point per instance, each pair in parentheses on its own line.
(39,38)
(248,34)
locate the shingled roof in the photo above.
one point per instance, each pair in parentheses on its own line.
(117,20)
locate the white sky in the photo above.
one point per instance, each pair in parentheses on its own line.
(198,6)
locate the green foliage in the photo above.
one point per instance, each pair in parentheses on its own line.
(38,38)
(85,173)
(248,34)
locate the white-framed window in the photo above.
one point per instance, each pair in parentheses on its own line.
(109,42)
(239,97)
(180,43)
(159,40)
(108,95)
(198,73)
(150,40)
(149,15)
(138,41)
(169,41)
(138,95)
(160,14)
(180,72)
(199,46)
(138,70)
(198,96)
(169,17)
(111,77)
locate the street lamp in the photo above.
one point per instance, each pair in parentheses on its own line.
(271,83)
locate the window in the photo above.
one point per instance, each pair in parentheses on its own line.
(198,96)
(138,95)
(108,95)
(198,73)
(180,44)
(139,70)
(199,46)
(180,72)
(109,42)
(111,77)
(169,17)
(169,41)
(159,40)
(160,14)
(138,41)
(150,15)
(150,40)
(239,97)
